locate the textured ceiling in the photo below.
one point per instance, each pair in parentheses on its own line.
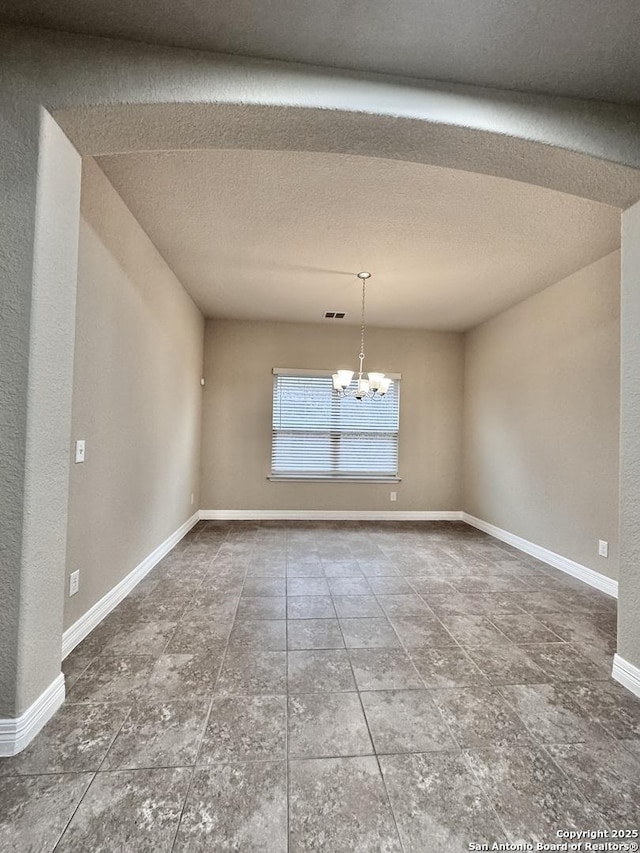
(578,48)
(280,235)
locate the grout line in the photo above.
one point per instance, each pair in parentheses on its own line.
(73,814)
(184,803)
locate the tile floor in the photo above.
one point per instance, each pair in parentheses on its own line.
(334,687)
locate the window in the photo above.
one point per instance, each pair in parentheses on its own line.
(318,435)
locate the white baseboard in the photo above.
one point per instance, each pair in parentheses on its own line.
(327,515)
(17,733)
(626,674)
(576,570)
(92,618)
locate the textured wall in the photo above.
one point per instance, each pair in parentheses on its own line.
(542,416)
(136,398)
(38,313)
(236,446)
(629,590)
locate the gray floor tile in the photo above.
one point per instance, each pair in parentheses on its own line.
(112,679)
(262,607)
(553,691)
(431,586)
(369,633)
(421,631)
(266,635)
(264,586)
(607,775)
(34,810)
(384,669)
(75,664)
(250,673)
(531,795)
(564,662)
(438,804)
(211,607)
(143,638)
(506,663)
(128,810)
(607,703)
(471,630)
(176,676)
(342,570)
(349,586)
(357,606)
(235,807)
(474,605)
(339,805)
(76,738)
(393,585)
(448,666)
(480,716)
(409,604)
(196,638)
(379,570)
(307,586)
(229,583)
(523,628)
(327,724)
(314,634)
(551,714)
(320,671)
(405,721)
(159,734)
(489,584)
(261,569)
(303,569)
(310,607)
(245,728)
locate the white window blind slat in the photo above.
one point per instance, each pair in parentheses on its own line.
(318,434)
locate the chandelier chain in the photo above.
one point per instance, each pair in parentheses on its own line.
(377,384)
(364,284)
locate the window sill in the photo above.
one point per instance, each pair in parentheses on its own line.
(303,479)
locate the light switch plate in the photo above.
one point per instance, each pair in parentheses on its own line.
(603,548)
(74,582)
(80,450)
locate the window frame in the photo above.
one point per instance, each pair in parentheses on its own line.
(311,477)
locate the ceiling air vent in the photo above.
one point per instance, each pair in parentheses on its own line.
(335,315)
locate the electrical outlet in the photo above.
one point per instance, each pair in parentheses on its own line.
(393,496)
(80,450)
(603,548)
(191,498)
(74,582)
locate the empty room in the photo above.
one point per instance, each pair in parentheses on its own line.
(319,428)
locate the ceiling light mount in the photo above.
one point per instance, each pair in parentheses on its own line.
(377,384)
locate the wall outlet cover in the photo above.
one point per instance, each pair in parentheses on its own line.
(603,548)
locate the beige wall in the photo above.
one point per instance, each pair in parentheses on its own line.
(541,417)
(136,398)
(236,442)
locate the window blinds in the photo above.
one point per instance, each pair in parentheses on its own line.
(317,434)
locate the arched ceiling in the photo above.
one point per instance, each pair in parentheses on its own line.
(279,235)
(575,48)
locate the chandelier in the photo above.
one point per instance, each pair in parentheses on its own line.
(377,384)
